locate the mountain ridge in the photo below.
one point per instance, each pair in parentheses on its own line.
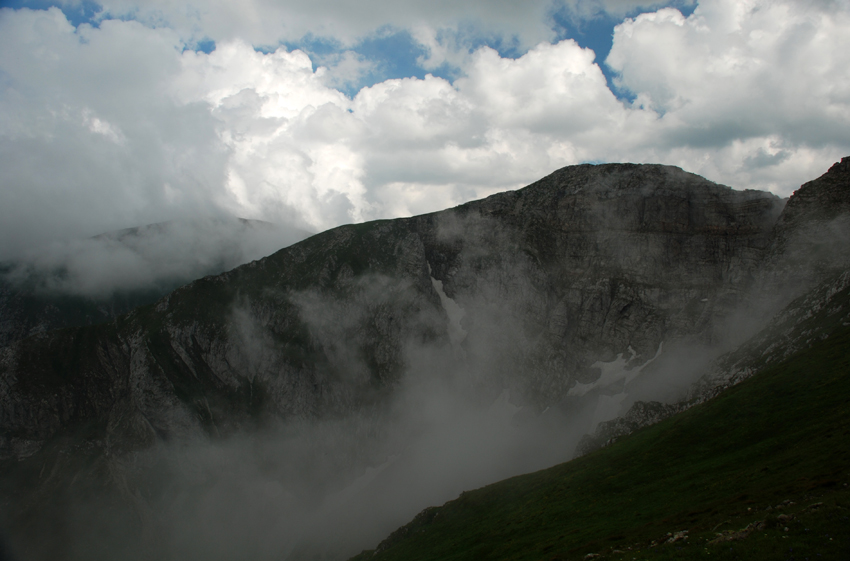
(419,242)
(617,279)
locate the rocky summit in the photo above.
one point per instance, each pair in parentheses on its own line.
(566,293)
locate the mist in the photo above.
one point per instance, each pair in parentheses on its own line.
(421,390)
(306,484)
(315,487)
(155,257)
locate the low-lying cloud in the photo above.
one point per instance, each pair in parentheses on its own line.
(156,257)
(311,485)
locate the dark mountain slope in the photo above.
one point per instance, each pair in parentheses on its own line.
(808,319)
(573,269)
(811,234)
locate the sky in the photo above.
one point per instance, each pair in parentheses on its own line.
(121,113)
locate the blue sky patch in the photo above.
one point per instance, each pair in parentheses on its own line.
(394,53)
(205,45)
(84,12)
(597,34)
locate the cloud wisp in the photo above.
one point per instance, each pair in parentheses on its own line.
(157,257)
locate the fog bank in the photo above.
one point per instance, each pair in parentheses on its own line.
(153,257)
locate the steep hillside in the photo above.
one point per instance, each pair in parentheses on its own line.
(760,472)
(808,319)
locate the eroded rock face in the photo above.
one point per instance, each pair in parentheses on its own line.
(576,268)
(641,414)
(812,232)
(612,256)
(573,269)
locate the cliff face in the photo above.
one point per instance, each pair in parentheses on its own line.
(821,200)
(523,290)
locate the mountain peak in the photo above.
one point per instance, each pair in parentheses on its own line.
(817,202)
(825,197)
(840,167)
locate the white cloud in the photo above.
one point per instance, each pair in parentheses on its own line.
(286,132)
(118,126)
(345,70)
(88,135)
(108,130)
(154,257)
(553,89)
(270,22)
(737,79)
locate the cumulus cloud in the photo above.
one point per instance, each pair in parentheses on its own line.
(120,125)
(345,70)
(89,138)
(757,87)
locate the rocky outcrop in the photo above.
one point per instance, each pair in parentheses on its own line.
(817,202)
(641,414)
(807,255)
(806,320)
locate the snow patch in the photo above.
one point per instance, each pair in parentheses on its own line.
(614,372)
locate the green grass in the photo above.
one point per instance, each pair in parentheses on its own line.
(783,435)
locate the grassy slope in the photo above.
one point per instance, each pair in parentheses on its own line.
(782,435)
